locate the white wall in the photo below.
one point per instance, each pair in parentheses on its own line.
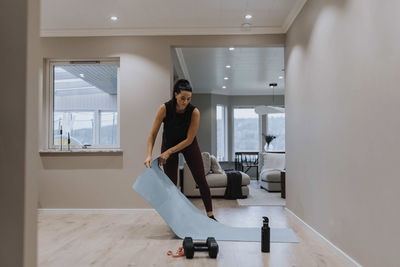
(145,83)
(342,125)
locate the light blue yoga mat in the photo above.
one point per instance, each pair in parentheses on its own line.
(185,219)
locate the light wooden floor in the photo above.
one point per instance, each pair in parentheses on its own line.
(142,239)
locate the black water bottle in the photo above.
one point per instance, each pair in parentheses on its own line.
(265,235)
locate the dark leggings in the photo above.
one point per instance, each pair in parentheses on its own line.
(194,160)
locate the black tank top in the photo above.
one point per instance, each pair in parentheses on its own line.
(176,125)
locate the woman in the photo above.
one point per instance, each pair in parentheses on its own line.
(181,121)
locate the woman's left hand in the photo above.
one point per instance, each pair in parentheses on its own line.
(163,157)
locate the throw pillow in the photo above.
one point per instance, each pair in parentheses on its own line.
(215,167)
(206,162)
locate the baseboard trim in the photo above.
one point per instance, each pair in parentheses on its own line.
(93,211)
(325,239)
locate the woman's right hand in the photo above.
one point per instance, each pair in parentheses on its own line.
(147,162)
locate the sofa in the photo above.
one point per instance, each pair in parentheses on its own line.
(215,176)
(270,166)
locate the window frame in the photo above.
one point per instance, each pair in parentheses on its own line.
(49,100)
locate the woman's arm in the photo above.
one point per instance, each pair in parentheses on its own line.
(191,134)
(161,113)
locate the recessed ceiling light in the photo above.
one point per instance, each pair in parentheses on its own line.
(228,66)
(231,48)
(226,78)
(82,75)
(224,87)
(248,16)
(114,18)
(281,77)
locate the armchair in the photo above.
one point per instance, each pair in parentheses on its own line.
(270,168)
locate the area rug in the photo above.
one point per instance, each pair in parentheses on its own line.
(261,197)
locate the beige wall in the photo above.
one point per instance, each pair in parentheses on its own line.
(203,103)
(342,99)
(145,80)
(32,163)
(12,150)
(19,48)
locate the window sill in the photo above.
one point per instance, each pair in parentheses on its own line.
(81,152)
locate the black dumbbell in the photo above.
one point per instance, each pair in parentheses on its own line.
(190,247)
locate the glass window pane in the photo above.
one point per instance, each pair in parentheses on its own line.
(108,128)
(58,121)
(221,132)
(80,93)
(276,127)
(246,130)
(82,127)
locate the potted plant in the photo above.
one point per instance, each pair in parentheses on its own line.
(268,140)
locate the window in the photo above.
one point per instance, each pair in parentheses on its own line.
(84,103)
(108,127)
(246,130)
(276,127)
(221,133)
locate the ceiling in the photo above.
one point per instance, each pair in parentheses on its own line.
(250,73)
(161,17)
(252,68)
